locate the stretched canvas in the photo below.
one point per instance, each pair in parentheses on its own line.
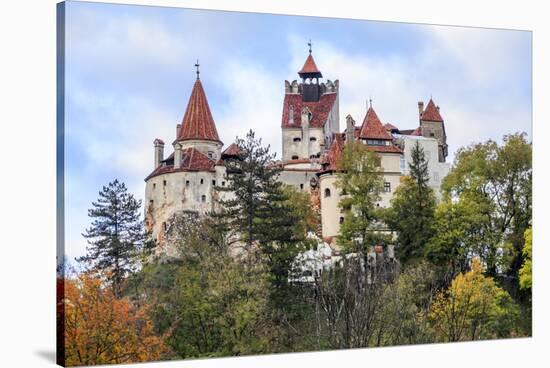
(238,184)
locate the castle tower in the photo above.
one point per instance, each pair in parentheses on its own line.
(186,180)
(198,129)
(310,115)
(433,126)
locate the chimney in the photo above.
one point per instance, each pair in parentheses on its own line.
(178,129)
(290,115)
(420,109)
(350,129)
(177,155)
(159,152)
(306,116)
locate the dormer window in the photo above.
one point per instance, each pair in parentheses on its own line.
(297,139)
(210,155)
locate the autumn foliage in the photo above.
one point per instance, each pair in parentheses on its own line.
(101,329)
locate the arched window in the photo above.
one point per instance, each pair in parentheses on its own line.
(327,192)
(203,198)
(297,139)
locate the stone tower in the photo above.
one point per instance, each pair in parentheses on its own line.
(433,126)
(186,180)
(310,115)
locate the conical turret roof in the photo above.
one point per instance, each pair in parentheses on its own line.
(198,122)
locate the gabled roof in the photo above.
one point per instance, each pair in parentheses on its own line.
(416,131)
(191,160)
(372,127)
(198,122)
(231,151)
(331,159)
(389,126)
(310,67)
(320,110)
(431,112)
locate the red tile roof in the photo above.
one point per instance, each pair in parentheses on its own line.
(191,160)
(372,127)
(320,110)
(331,160)
(389,126)
(431,112)
(384,149)
(198,122)
(232,150)
(309,66)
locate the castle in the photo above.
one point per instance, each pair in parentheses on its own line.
(311,147)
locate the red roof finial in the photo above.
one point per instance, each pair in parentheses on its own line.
(198,122)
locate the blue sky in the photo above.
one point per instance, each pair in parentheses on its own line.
(129,73)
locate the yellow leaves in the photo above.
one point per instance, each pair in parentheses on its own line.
(473,307)
(525,272)
(100,329)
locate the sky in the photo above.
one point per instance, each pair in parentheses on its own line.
(129,71)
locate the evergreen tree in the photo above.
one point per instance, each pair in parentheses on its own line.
(412,209)
(257,211)
(115,238)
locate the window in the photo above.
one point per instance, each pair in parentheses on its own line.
(294,157)
(210,154)
(436,176)
(203,198)
(154,185)
(312,156)
(202,181)
(187,183)
(164,182)
(164,227)
(223,183)
(313,139)
(432,134)
(341,220)
(297,139)
(301,186)
(213,182)
(387,187)
(151,203)
(327,192)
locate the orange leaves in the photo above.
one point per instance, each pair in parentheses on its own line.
(100,329)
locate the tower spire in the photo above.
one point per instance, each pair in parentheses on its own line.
(197,65)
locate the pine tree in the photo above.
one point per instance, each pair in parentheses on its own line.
(257,211)
(115,238)
(412,209)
